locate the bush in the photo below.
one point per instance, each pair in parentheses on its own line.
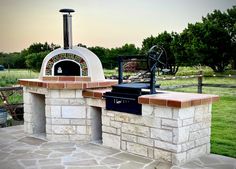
(34,60)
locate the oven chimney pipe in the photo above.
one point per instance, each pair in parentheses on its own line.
(67,27)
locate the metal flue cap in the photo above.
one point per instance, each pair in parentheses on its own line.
(67,10)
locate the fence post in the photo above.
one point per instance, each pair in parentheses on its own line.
(199,86)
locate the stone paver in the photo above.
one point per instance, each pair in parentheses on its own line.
(29,163)
(19,151)
(31,141)
(131,164)
(112,161)
(130,157)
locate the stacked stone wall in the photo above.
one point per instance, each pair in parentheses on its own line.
(66,113)
(163,133)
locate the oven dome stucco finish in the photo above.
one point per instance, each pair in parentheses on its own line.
(94,66)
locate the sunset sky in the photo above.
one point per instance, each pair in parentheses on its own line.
(107,23)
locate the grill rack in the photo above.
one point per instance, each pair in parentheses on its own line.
(124,96)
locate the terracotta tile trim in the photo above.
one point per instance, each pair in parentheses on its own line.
(67,78)
(83,78)
(88,94)
(215,99)
(177,103)
(154,100)
(96,90)
(66,84)
(160,102)
(50,78)
(195,102)
(55,85)
(23,83)
(96,93)
(143,100)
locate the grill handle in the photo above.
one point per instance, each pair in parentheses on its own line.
(116,97)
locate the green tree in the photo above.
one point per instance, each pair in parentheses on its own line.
(209,42)
(128,49)
(178,50)
(16,61)
(231,13)
(125,50)
(39,47)
(109,57)
(35,54)
(3,59)
(12,60)
(102,53)
(34,60)
(148,43)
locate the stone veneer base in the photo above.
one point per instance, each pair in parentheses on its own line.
(163,133)
(174,133)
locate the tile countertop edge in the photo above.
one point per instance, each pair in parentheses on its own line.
(66,84)
(191,99)
(169,99)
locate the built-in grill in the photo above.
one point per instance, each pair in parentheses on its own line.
(124,96)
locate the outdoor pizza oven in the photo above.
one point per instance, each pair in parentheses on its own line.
(71,60)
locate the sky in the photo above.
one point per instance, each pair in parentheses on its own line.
(106,23)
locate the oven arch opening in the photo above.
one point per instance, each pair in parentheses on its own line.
(66,67)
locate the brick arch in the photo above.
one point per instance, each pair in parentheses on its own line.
(62,56)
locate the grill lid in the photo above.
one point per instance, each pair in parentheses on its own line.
(133,88)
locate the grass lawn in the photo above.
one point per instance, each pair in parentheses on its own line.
(223,130)
(9,78)
(223,138)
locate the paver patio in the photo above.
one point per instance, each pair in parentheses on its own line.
(19,151)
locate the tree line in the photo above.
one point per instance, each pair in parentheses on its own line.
(210,42)
(31,57)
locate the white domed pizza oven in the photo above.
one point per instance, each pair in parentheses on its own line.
(69,60)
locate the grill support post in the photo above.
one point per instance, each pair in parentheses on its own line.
(153,81)
(199,87)
(120,70)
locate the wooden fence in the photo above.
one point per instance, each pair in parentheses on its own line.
(199,82)
(5,93)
